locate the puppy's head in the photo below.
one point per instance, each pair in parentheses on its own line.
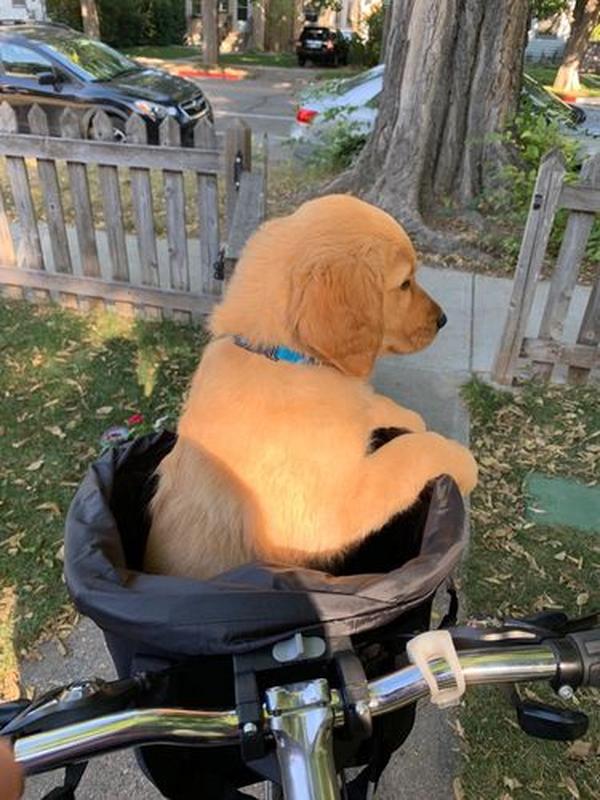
(336,279)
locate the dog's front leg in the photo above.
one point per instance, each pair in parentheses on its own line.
(391,479)
(384,413)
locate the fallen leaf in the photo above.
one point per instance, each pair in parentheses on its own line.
(459,792)
(56,431)
(579,750)
(53,507)
(60,647)
(582,598)
(560,556)
(571,787)
(35,465)
(512,783)
(103,411)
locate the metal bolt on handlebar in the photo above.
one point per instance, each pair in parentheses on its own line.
(302,724)
(566,692)
(249,729)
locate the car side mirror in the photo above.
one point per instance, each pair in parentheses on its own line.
(48,79)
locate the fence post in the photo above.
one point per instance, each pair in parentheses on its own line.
(141,198)
(48,177)
(82,205)
(170,136)
(208,212)
(542,210)
(238,158)
(29,249)
(564,279)
(103,130)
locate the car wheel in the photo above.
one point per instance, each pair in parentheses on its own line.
(118,126)
(119,133)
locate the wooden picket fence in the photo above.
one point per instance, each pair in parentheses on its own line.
(82,227)
(539,356)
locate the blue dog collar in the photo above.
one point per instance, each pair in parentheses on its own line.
(276,352)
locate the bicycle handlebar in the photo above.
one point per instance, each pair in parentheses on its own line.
(572,660)
(80,741)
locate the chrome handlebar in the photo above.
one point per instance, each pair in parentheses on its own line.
(82,740)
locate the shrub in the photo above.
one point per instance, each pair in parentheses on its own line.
(531,135)
(340,142)
(127,23)
(366,50)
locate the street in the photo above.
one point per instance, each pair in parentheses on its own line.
(265,102)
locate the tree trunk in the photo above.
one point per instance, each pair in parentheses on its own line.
(259,15)
(387,16)
(451,82)
(585,18)
(90,19)
(210,32)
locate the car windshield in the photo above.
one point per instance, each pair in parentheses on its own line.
(96,60)
(315,33)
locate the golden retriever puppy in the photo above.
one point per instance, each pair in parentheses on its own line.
(272,460)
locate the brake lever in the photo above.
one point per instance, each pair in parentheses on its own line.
(75,702)
(537,629)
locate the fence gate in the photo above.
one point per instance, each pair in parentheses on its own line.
(132,226)
(542,354)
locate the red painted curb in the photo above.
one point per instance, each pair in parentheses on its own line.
(201,73)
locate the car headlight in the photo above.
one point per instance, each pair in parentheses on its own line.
(154,110)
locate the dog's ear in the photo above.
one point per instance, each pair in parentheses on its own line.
(336,310)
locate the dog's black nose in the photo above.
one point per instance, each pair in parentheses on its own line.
(441,320)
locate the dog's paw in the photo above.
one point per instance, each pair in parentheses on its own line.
(461,466)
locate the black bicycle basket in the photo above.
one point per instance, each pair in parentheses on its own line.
(194,635)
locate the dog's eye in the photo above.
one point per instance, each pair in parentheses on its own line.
(406,285)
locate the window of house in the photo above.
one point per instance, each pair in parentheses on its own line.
(242,10)
(22,62)
(222,7)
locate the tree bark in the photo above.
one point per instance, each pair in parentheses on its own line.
(585,18)
(90,18)
(387,17)
(210,32)
(452,80)
(259,18)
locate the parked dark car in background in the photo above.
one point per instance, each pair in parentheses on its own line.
(58,67)
(322,45)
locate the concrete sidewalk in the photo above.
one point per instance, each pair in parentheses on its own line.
(428,382)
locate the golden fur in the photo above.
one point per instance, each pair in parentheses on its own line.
(271,460)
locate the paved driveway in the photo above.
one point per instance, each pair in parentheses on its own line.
(265,102)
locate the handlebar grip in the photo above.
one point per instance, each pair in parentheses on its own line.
(588,647)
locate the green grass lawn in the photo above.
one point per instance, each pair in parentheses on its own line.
(167,52)
(249,59)
(545,75)
(256,59)
(243,60)
(517,568)
(64,379)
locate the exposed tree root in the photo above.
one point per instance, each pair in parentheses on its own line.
(424,237)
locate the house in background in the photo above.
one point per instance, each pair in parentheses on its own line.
(548,37)
(22,9)
(273,25)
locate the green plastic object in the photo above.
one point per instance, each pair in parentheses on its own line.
(562,502)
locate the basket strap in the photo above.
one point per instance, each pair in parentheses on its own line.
(73,775)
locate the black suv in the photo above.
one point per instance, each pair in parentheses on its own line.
(318,44)
(57,68)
